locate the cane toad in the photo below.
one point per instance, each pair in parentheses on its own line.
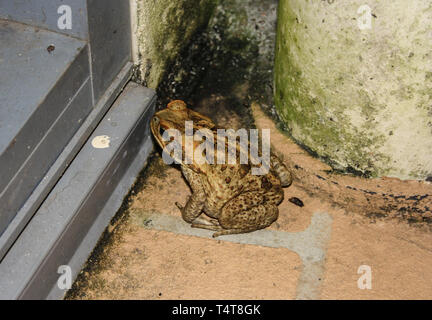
(232,198)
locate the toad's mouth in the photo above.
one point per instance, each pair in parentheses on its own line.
(157,130)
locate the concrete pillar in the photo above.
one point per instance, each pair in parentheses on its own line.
(353,83)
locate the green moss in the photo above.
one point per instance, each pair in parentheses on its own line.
(315,120)
(164,29)
(359,99)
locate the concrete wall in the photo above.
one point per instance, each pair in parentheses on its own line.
(357,94)
(163,28)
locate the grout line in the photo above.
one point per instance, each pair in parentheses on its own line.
(310,245)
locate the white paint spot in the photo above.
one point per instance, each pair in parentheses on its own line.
(101,142)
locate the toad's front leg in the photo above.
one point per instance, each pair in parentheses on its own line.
(191,212)
(193,208)
(195,203)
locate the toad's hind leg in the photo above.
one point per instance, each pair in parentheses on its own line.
(248,212)
(207,226)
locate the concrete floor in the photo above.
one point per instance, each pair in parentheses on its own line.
(310,252)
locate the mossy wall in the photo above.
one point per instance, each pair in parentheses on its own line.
(164,27)
(359,97)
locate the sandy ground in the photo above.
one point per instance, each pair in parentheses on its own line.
(135,262)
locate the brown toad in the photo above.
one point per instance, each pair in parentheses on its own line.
(236,200)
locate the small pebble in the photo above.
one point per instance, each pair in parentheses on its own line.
(296,201)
